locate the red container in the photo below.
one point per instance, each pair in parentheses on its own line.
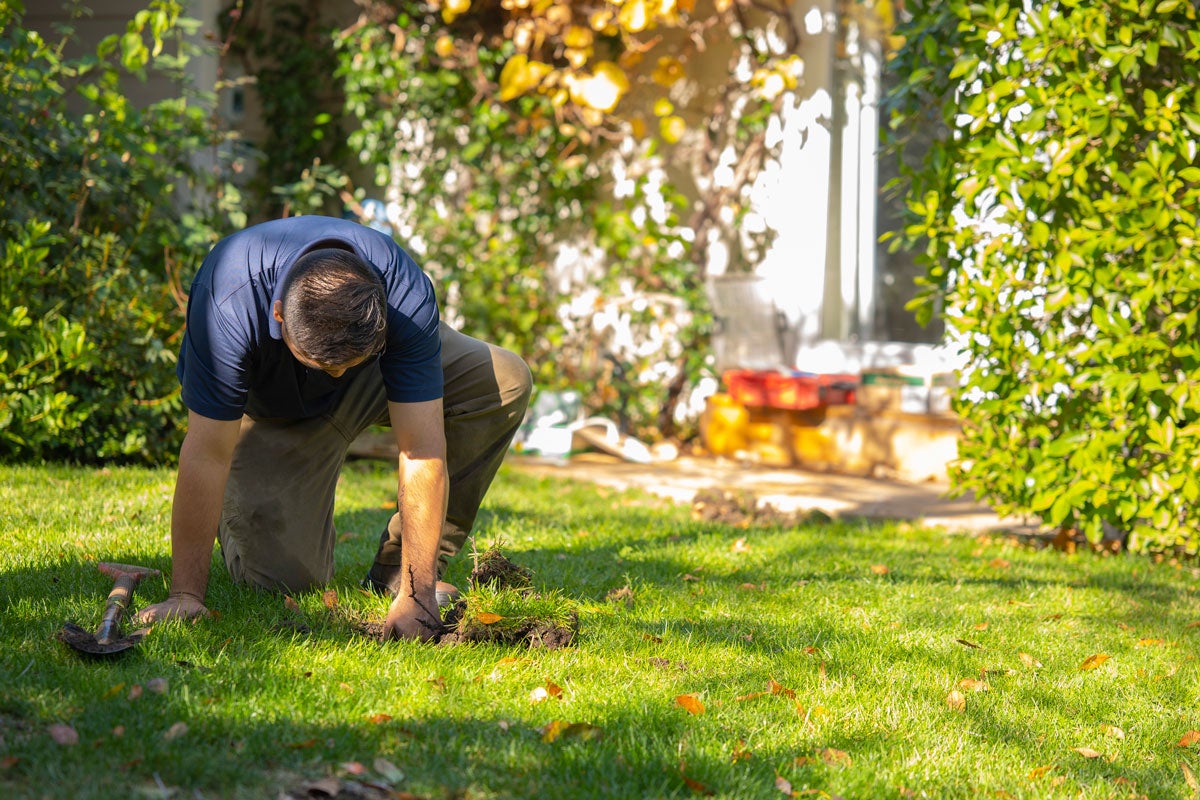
(797,392)
(747,386)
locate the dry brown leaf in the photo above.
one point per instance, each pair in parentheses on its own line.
(1195,624)
(999,563)
(982,626)
(1112,730)
(175,731)
(1029,660)
(973,685)
(291,603)
(1149,642)
(1093,661)
(345,687)
(690,577)
(118,731)
(956,700)
(8,762)
(835,758)
(690,703)
(967,643)
(488,618)
(135,692)
(1086,752)
(1038,772)
(752,696)
(741,752)
(63,734)
(649,637)
(306,744)
(880,569)
(1189,739)
(1190,777)
(330,599)
(783,784)
(379,719)
(777,688)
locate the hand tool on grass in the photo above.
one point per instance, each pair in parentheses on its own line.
(107,639)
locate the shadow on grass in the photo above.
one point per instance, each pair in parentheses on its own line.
(461,746)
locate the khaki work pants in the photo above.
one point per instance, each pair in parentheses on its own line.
(276,526)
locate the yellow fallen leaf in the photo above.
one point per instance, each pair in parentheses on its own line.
(879,569)
(777,688)
(1189,739)
(690,703)
(982,626)
(379,719)
(1112,730)
(1086,752)
(973,685)
(1038,772)
(956,700)
(552,730)
(1093,661)
(1190,777)
(1029,660)
(488,618)
(1149,642)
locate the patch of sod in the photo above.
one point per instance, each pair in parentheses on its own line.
(848,659)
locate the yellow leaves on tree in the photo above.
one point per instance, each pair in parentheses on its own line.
(520,75)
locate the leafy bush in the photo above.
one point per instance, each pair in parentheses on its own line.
(488,193)
(95,242)
(1057,216)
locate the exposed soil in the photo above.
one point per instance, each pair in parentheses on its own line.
(495,571)
(741,509)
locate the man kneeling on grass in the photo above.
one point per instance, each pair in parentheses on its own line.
(302,333)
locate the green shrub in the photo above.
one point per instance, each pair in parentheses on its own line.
(1057,216)
(95,242)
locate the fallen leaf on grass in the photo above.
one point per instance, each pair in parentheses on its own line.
(330,599)
(175,731)
(1190,777)
(1029,660)
(353,767)
(693,784)
(8,762)
(135,692)
(880,569)
(690,577)
(557,729)
(982,626)
(1189,739)
(1093,661)
(379,719)
(63,734)
(542,693)
(157,685)
(290,603)
(741,752)
(783,785)
(113,691)
(999,563)
(1038,772)
(488,618)
(956,700)
(835,758)
(739,546)
(118,731)
(390,772)
(973,685)
(307,743)
(1195,624)
(967,643)
(690,703)
(1149,642)
(1112,730)
(1086,752)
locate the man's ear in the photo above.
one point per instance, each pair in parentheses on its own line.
(277,311)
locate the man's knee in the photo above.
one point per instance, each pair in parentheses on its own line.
(513,379)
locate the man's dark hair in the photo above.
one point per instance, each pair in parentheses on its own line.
(334,307)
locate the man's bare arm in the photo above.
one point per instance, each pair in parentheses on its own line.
(204,462)
(421,497)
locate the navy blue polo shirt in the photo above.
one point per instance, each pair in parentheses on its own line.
(233,359)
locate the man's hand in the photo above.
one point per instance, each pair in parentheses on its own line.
(176,606)
(412,617)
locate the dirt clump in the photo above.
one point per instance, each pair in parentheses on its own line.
(741,509)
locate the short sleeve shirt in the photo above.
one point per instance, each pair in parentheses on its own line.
(233,360)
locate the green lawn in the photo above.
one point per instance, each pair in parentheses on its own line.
(855,660)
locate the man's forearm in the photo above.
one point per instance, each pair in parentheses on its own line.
(195,515)
(421,499)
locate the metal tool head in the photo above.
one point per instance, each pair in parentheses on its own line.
(85,641)
(117,571)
